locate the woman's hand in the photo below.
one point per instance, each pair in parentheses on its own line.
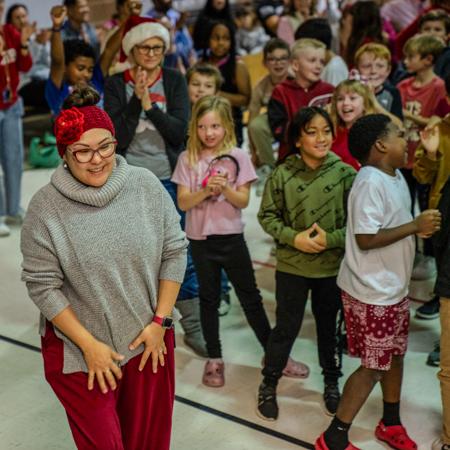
(152,336)
(141,88)
(140,82)
(101,363)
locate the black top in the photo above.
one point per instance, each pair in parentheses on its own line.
(441,244)
(172,125)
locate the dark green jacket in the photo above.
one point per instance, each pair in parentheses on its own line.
(296,197)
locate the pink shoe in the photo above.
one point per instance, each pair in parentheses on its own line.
(213,374)
(321,445)
(293,369)
(395,436)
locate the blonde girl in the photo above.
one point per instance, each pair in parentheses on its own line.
(214,179)
(351,100)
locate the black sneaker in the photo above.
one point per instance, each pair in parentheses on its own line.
(267,407)
(331,397)
(429,310)
(434,357)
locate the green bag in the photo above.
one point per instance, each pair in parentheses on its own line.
(43,152)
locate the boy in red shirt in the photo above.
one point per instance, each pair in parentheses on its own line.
(422,92)
(305,89)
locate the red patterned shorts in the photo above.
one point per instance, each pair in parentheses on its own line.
(376,333)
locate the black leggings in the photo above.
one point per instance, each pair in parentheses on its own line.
(228,252)
(291,295)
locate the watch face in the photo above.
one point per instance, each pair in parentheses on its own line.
(167,322)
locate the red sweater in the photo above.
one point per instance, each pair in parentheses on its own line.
(12,61)
(288,98)
(340,147)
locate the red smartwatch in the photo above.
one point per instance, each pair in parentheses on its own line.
(165,322)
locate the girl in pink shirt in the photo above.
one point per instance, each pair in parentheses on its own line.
(214,179)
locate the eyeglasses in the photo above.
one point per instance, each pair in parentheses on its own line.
(147,50)
(85,154)
(273,60)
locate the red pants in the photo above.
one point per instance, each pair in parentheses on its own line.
(136,416)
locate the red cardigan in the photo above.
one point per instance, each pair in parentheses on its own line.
(13,61)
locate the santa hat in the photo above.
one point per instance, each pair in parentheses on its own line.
(139,29)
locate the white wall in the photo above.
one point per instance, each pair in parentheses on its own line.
(39,10)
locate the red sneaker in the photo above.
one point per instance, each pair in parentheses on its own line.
(321,445)
(395,436)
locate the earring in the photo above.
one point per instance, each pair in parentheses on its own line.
(65,165)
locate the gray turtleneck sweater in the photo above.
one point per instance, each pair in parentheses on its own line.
(102,251)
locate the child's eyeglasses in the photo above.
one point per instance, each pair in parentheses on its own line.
(85,154)
(273,60)
(147,50)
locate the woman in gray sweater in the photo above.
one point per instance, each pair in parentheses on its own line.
(103,259)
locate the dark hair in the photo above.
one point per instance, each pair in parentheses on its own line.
(243,10)
(82,95)
(365,132)
(274,44)
(437,15)
(301,120)
(12,8)
(209,11)
(228,70)
(366,25)
(316,28)
(73,48)
(447,84)
(69,3)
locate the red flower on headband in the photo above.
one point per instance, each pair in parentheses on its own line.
(69,126)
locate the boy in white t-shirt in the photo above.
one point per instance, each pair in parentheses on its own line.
(374,278)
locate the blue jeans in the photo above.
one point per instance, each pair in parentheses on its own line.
(11,158)
(189,288)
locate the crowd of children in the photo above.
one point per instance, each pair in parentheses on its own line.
(349,144)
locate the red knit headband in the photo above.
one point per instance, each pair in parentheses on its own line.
(73,122)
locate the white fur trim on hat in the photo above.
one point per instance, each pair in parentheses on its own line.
(144,31)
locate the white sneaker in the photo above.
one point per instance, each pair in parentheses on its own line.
(424,268)
(438,444)
(4,229)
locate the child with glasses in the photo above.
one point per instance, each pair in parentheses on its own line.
(276,59)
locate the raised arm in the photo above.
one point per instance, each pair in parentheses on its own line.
(57,65)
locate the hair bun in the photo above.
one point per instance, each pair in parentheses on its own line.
(82,95)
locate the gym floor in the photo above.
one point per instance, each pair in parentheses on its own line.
(31,418)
